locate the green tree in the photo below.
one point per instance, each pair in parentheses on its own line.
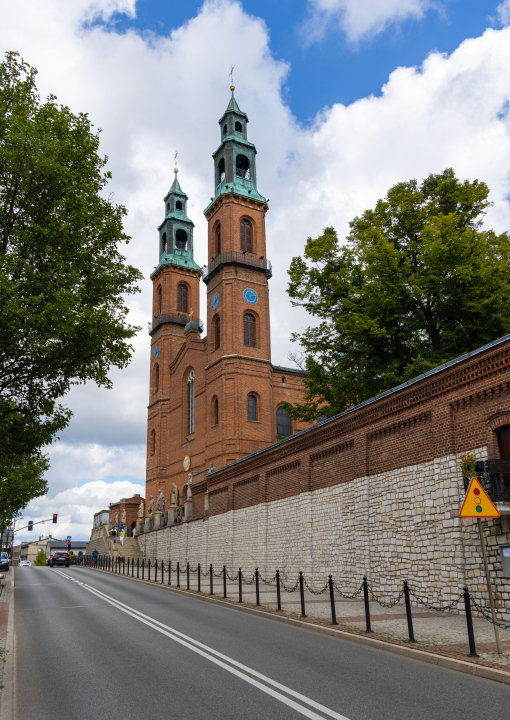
(63,280)
(419,281)
(40,558)
(22,480)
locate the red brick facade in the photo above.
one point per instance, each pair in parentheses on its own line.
(130,506)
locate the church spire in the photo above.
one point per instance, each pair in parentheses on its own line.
(176,230)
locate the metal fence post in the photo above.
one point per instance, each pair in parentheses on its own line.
(224,581)
(469,621)
(302,593)
(137,568)
(124,566)
(149,569)
(408,612)
(240,585)
(332,600)
(367,604)
(211,578)
(169,572)
(198,577)
(257,592)
(162,572)
(143,568)
(155,571)
(187,576)
(178,575)
(278,593)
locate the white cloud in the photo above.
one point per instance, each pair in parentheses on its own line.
(152,95)
(362,18)
(503,11)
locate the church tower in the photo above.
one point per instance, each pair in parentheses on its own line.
(238,331)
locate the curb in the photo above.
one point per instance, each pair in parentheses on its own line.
(463,666)
(7,704)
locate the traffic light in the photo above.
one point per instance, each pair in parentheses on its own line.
(55,517)
(68,546)
(30,524)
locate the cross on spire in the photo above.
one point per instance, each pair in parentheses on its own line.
(231,73)
(175,160)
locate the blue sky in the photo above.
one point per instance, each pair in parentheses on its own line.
(345,99)
(331,68)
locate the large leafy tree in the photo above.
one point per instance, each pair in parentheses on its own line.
(419,281)
(63,280)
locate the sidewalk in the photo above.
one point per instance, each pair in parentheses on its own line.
(6,595)
(439,632)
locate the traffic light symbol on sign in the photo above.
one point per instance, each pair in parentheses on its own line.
(477,503)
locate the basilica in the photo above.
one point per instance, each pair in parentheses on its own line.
(216,398)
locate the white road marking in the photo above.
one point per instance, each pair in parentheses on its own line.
(236,668)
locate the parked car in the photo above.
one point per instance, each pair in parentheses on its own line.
(25,563)
(4,561)
(59,558)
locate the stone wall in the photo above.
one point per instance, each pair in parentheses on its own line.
(391,526)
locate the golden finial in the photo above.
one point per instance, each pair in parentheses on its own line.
(231,73)
(175,161)
(191,313)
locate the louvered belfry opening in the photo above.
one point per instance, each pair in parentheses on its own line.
(246,243)
(182,299)
(249,330)
(217,332)
(218,239)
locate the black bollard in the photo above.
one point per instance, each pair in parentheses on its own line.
(133,567)
(124,566)
(198,577)
(137,568)
(211,579)
(178,575)
(302,593)
(257,592)
(332,600)
(469,621)
(224,581)
(128,566)
(162,573)
(408,613)
(149,569)
(367,605)
(240,586)
(169,572)
(143,568)
(155,571)
(278,594)
(187,576)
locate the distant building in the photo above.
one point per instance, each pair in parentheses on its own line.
(100,518)
(77,547)
(29,550)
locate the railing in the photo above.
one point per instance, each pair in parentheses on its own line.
(237,258)
(179,318)
(495,479)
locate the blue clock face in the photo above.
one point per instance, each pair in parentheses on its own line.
(156,351)
(250,296)
(215,300)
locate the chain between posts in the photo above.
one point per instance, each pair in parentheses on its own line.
(485,614)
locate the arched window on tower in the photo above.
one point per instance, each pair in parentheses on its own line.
(246,235)
(217,333)
(215,411)
(252,408)
(153,442)
(242,167)
(249,330)
(238,127)
(225,129)
(178,205)
(163,243)
(182,298)
(218,239)
(156,378)
(283,423)
(159,301)
(191,402)
(181,239)
(221,170)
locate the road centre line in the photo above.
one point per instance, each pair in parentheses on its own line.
(236,668)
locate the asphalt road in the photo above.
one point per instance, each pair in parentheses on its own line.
(90,645)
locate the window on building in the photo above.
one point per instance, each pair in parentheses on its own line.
(221,170)
(246,234)
(242,167)
(168,208)
(191,402)
(182,298)
(159,301)
(504,442)
(156,377)
(178,205)
(217,332)
(238,127)
(252,407)
(181,239)
(218,239)
(153,442)
(249,330)
(225,129)
(215,411)
(163,243)
(283,423)
(284,380)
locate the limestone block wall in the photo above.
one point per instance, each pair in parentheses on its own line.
(391,526)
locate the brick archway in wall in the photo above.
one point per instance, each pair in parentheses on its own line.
(495,423)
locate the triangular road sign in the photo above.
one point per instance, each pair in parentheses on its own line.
(477,503)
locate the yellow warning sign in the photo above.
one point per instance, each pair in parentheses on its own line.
(477,503)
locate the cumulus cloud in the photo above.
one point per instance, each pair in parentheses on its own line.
(362,18)
(503,11)
(153,95)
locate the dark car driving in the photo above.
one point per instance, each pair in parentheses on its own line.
(59,558)
(4,561)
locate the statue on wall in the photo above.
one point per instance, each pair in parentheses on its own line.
(150,509)
(116,520)
(174,497)
(188,496)
(110,525)
(160,504)
(141,509)
(123,516)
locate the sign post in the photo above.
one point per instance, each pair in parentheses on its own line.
(477,504)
